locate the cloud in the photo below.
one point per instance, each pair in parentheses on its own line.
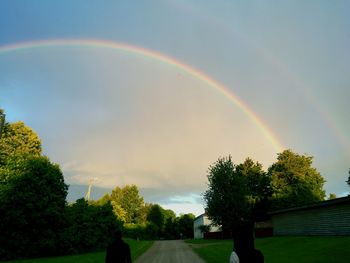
(129,120)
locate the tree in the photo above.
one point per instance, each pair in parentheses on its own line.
(156,216)
(348,181)
(227,196)
(294,181)
(204,228)
(332,196)
(32,203)
(169,224)
(127,203)
(2,120)
(184,225)
(258,187)
(18,140)
(88,226)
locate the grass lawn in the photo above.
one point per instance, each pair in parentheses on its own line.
(281,249)
(137,248)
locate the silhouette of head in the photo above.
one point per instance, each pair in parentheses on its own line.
(118,234)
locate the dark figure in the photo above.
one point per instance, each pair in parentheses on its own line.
(257,257)
(243,238)
(118,251)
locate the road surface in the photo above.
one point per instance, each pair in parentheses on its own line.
(169,251)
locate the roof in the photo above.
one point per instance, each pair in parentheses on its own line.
(331,202)
(202,215)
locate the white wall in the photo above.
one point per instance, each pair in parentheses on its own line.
(202,220)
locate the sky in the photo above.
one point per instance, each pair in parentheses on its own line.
(152,93)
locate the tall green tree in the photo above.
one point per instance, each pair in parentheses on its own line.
(184,225)
(169,224)
(127,203)
(156,216)
(294,181)
(258,187)
(32,203)
(227,196)
(18,140)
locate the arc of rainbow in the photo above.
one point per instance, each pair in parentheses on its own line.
(272,138)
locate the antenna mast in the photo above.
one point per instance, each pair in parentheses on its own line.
(91,181)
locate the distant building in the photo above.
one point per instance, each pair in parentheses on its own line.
(327,218)
(200,221)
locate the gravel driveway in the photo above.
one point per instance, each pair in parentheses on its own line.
(169,251)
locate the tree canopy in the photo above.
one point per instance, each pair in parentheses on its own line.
(226,198)
(127,203)
(245,192)
(31,207)
(294,181)
(184,225)
(18,140)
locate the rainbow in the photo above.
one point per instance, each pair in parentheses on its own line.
(96,43)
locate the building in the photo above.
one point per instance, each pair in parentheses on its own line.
(203,220)
(327,218)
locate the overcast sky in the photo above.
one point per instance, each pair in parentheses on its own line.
(128,118)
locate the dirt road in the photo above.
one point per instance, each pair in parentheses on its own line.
(173,251)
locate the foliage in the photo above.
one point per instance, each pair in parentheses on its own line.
(18,140)
(204,228)
(103,200)
(169,231)
(127,203)
(88,226)
(32,202)
(258,187)
(227,197)
(144,231)
(348,181)
(332,196)
(294,181)
(184,225)
(156,216)
(2,120)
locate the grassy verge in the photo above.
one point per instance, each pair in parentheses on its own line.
(282,249)
(137,249)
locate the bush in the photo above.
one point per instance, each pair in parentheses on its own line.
(32,203)
(88,227)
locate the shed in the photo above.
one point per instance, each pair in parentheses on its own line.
(327,218)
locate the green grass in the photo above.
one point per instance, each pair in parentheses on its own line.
(282,249)
(137,249)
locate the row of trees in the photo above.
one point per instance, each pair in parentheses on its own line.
(36,219)
(245,192)
(146,221)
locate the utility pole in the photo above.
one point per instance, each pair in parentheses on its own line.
(2,121)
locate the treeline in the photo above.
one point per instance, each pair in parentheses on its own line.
(35,217)
(241,193)
(146,221)
(37,221)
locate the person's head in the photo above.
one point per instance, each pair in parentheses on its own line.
(118,234)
